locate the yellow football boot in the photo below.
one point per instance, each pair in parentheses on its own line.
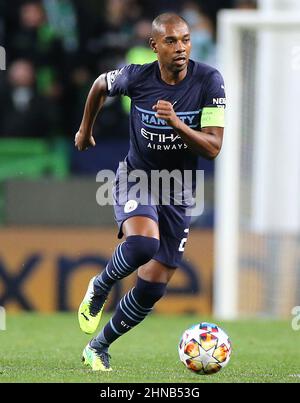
(90,310)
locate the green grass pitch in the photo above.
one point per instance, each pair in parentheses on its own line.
(47,348)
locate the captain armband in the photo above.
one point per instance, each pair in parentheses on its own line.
(213,116)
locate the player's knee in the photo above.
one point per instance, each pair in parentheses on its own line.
(148,293)
(142,248)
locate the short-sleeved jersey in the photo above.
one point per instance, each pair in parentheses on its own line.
(153,144)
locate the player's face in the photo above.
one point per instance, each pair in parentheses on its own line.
(173,46)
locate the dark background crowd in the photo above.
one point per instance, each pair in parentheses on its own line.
(56,48)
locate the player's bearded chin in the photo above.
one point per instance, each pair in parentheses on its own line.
(179,68)
(175,68)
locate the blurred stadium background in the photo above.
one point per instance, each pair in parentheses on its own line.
(54,236)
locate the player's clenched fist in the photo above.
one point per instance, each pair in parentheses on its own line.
(83,142)
(164,110)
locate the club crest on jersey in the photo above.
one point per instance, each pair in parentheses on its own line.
(131,205)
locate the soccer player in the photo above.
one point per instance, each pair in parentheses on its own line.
(177,114)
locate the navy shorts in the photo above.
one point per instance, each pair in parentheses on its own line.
(172,221)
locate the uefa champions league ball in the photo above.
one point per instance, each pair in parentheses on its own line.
(204,348)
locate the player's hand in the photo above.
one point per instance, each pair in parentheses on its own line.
(164,110)
(82,142)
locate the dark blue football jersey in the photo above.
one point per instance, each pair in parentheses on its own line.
(153,144)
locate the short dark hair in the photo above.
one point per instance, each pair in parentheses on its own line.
(166,18)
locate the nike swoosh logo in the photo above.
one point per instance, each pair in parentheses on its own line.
(85,316)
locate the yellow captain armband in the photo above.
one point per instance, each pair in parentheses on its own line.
(213,116)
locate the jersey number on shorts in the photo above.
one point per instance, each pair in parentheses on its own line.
(183,241)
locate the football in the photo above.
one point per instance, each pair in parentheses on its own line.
(204,348)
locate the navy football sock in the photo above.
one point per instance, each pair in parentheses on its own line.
(132,309)
(127,257)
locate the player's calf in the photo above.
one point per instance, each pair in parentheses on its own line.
(132,310)
(127,257)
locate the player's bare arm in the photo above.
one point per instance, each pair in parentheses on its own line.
(207,142)
(95,100)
